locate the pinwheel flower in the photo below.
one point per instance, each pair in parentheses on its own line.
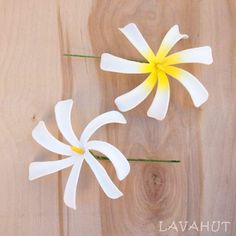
(78,151)
(159,66)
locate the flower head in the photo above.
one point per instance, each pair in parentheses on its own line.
(78,150)
(159,65)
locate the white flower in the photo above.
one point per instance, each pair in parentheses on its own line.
(78,151)
(159,66)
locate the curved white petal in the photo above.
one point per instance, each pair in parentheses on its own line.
(71,185)
(39,169)
(133,98)
(195,88)
(102,177)
(120,65)
(103,119)
(159,106)
(63,118)
(42,136)
(193,55)
(170,39)
(118,160)
(133,34)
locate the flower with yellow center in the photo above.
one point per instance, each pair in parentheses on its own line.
(159,66)
(78,151)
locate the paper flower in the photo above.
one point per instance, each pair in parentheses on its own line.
(159,66)
(78,151)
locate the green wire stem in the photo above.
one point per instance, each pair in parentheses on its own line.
(81,55)
(103,158)
(95,57)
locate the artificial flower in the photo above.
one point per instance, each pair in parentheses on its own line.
(78,150)
(159,66)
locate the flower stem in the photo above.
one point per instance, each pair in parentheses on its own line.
(81,55)
(103,158)
(95,57)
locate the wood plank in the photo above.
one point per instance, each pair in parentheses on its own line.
(35,75)
(30,75)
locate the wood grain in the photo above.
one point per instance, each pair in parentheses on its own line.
(34,75)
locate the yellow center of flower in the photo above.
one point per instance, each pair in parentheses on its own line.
(77,150)
(158,66)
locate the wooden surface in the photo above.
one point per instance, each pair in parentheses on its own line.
(34,75)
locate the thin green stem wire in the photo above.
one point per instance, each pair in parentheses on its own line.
(103,158)
(81,55)
(95,57)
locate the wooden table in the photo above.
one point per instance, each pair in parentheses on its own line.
(34,75)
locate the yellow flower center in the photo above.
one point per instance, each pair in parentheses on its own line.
(157,65)
(77,150)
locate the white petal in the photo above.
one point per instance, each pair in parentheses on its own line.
(159,106)
(170,39)
(104,180)
(133,98)
(193,55)
(120,65)
(39,169)
(118,160)
(103,119)
(195,88)
(71,185)
(63,118)
(42,136)
(133,34)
